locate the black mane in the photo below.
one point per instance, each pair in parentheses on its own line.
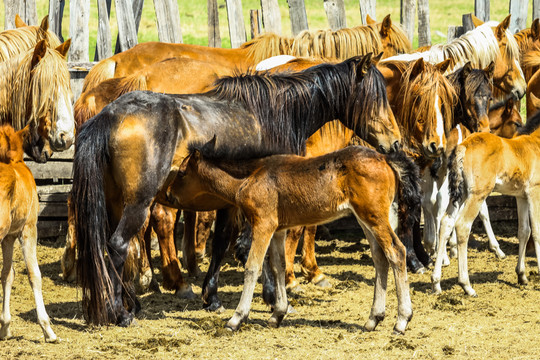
(531,125)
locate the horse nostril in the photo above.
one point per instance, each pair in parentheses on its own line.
(396,146)
(382,150)
(433,148)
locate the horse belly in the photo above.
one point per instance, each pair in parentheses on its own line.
(312,215)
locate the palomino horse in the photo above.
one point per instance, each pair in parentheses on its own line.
(484,163)
(341,44)
(119,169)
(278,192)
(35,90)
(18,221)
(489,42)
(16,41)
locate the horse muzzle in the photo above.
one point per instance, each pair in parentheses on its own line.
(62,142)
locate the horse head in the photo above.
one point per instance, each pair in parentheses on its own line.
(393,38)
(11,145)
(505,119)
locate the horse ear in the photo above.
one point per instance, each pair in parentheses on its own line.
(490,69)
(443,65)
(369,20)
(418,68)
(476,21)
(45,23)
(39,52)
(386,25)
(64,48)
(467,68)
(502,27)
(377,58)
(535,29)
(363,66)
(211,145)
(19,23)
(510,103)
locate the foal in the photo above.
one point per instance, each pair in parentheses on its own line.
(18,219)
(278,192)
(484,163)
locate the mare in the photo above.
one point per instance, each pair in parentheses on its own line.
(128,155)
(35,90)
(484,163)
(278,192)
(18,221)
(341,44)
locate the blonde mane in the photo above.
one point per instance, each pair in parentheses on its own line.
(398,39)
(17,41)
(38,88)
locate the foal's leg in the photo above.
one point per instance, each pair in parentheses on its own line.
(447,228)
(291,244)
(28,242)
(310,269)
(69,270)
(277,265)
(524,232)
(535,224)
(429,201)
(493,243)
(7,281)
(205,219)
(188,243)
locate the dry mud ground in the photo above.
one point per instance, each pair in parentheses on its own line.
(503,322)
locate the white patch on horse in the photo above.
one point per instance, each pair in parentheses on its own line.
(440,121)
(460,134)
(274,61)
(519,68)
(65,122)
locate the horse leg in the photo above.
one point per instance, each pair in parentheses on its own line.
(443,199)
(493,243)
(309,264)
(291,244)
(205,219)
(28,240)
(69,270)
(524,232)
(277,265)
(8,275)
(447,228)
(188,243)
(534,202)
(149,279)
(429,200)
(419,250)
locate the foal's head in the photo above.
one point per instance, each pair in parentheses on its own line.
(393,38)
(11,144)
(505,119)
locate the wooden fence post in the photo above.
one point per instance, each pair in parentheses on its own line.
(536,9)
(11,8)
(104,39)
(518,9)
(127,33)
(297,13)
(468,24)
(56,13)
(408,10)
(481,9)
(271,17)
(454,32)
(255,23)
(237,27)
(214,37)
(79,14)
(367,7)
(26,10)
(424,31)
(168,21)
(335,12)
(137,7)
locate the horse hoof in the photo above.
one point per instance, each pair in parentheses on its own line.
(420,270)
(296,290)
(323,283)
(436,289)
(215,307)
(126,320)
(275,321)
(397,332)
(186,293)
(522,280)
(53,340)
(232,326)
(291,309)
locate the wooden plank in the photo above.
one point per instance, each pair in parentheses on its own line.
(271,16)
(335,12)
(51,170)
(11,8)
(168,21)
(255,24)
(535,9)
(54,198)
(30,12)
(468,24)
(127,33)
(79,15)
(424,31)
(518,21)
(237,28)
(55,210)
(104,39)
(298,16)
(481,9)
(454,32)
(214,37)
(367,7)
(137,7)
(56,14)
(53,189)
(408,11)
(48,229)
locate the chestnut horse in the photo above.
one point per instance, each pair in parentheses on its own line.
(18,221)
(484,163)
(340,44)
(127,156)
(35,90)
(278,192)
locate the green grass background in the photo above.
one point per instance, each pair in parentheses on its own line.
(193,17)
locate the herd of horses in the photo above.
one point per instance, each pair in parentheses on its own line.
(262,142)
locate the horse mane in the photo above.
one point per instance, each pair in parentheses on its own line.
(16,41)
(524,40)
(11,145)
(284,101)
(531,125)
(398,39)
(50,73)
(267,45)
(532,57)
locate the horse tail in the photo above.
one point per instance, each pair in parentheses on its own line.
(456,181)
(103,70)
(84,109)
(90,216)
(409,193)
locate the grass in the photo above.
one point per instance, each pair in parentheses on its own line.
(193,17)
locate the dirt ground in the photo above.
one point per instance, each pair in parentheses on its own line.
(503,322)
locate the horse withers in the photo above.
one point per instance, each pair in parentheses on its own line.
(19,207)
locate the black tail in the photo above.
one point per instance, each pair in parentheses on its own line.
(91,222)
(456,182)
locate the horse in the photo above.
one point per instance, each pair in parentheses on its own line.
(278,192)
(35,90)
(18,221)
(24,37)
(488,42)
(481,164)
(342,44)
(119,169)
